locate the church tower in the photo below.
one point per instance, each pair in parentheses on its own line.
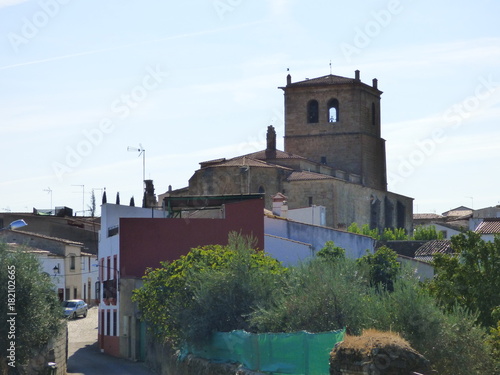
(335,121)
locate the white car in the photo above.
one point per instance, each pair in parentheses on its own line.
(74,308)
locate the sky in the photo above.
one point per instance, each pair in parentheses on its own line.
(188,81)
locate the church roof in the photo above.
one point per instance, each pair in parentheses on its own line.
(261,155)
(244,161)
(325,80)
(308,176)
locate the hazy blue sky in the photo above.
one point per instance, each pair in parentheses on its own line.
(193,80)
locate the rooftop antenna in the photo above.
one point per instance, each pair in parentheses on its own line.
(330,67)
(49,190)
(83,198)
(142,152)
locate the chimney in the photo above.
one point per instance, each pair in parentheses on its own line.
(375,83)
(288,79)
(271,143)
(149,199)
(280,206)
(356,75)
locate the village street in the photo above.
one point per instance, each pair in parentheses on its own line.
(84,356)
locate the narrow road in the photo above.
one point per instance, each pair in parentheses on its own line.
(84,356)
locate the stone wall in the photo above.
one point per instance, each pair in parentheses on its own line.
(55,351)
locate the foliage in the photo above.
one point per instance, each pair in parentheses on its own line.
(493,341)
(427,233)
(388,234)
(318,296)
(323,295)
(470,278)
(396,234)
(365,230)
(38,309)
(383,267)
(211,288)
(331,252)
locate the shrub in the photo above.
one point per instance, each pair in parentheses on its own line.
(427,233)
(318,296)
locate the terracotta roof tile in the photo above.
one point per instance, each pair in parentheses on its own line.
(261,155)
(325,80)
(433,247)
(243,161)
(489,226)
(308,176)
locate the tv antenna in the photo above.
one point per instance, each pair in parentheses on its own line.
(49,191)
(142,152)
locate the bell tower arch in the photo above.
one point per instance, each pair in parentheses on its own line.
(335,121)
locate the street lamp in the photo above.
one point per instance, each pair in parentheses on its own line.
(15,224)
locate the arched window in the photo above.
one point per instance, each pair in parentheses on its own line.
(333,110)
(261,190)
(374,115)
(312,111)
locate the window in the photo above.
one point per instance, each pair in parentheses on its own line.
(323,160)
(108,268)
(333,110)
(310,201)
(312,111)
(83,260)
(75,294)
(113,231)
(115,333)
(115,267)
(108,323)
(72,259)
(261,190)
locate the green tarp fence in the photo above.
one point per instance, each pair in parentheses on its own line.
(276,353)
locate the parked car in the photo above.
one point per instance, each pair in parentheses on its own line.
(74,308)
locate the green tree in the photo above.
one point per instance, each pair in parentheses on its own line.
(383,267)
(29,293)
(212,288)
(470,277)
(427,233)
(331,252)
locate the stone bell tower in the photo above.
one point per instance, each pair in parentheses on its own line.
(335,121)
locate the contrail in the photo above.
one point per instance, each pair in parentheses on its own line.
(92,52)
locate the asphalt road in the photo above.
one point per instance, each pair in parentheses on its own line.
(84,356)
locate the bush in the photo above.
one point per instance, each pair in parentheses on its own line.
(427,233)
(318,296)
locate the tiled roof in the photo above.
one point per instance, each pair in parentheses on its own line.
(244,161)
(427,217)
(308,176)
(433,247)
(325,80)
(261,155)
(489,226)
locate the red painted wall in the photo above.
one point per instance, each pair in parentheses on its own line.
(146,242)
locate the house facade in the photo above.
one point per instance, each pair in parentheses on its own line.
(134,239)
(73,271)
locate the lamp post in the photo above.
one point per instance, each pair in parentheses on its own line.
(15,224)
